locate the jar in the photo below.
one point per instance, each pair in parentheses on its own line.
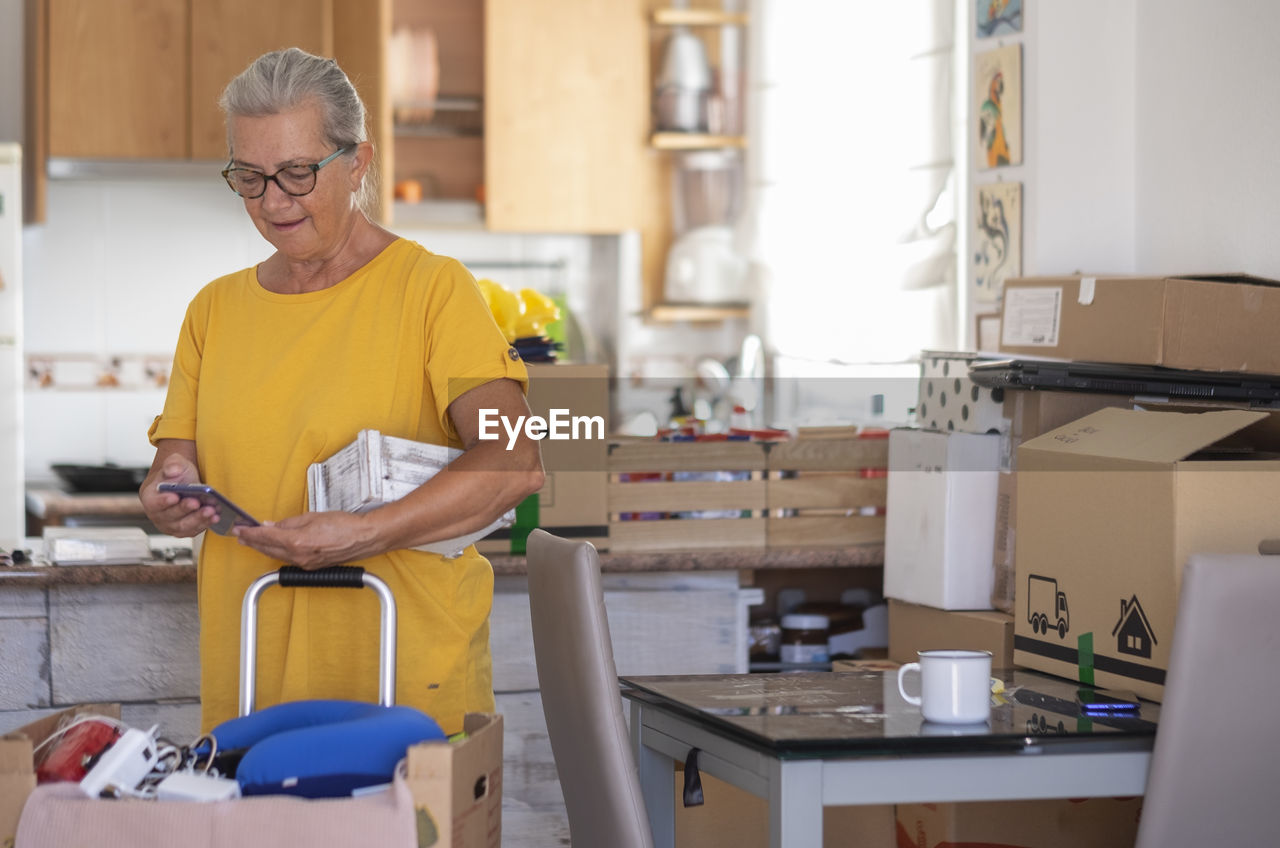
(804,638)
(764,639)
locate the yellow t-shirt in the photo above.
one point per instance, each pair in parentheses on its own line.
(267,384)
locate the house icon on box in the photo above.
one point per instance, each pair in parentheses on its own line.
(1133,630)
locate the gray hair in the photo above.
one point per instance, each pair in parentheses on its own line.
(284,79)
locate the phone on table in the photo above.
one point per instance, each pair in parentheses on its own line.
(229,514)
(1106,701)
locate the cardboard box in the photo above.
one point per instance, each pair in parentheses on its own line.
(1095,822)
(914,628)
(941,508)
(1208,323)
(573,502)
(456,787)
(734,818)
(17,766)
(1101,548)
(950,402)
(1029,414)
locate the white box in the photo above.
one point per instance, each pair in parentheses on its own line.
(375,470)
(941,508)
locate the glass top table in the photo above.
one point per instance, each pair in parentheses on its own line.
(819,714)
(806,740)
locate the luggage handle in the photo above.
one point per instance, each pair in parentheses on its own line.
(337,576)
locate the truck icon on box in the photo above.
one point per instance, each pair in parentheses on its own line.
(1046,606)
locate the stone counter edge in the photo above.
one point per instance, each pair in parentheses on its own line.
(747,559)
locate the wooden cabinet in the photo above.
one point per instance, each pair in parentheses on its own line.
(140,79)
(565,125)
(562,88)
(117,78)
(229,34)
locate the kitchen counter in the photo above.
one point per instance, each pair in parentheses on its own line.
(162,572)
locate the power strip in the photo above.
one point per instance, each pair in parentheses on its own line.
(190,786)
(123,765)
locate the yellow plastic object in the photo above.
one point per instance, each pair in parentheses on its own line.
(539,310)
(504,305)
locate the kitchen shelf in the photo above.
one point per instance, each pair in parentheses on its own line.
(697,312)
(695,141)
(451,116)
(699,17)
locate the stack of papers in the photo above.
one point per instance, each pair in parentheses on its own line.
(375,470)
(96,545)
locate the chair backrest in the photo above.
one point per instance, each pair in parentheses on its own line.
(579,685)
(1215,771)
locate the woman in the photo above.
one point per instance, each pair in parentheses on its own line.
(344,327)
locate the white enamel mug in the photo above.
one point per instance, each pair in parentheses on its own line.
(955,686)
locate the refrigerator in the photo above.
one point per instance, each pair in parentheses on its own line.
(12,494)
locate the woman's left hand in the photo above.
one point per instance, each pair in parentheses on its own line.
(312,540)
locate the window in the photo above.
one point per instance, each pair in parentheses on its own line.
(851,218)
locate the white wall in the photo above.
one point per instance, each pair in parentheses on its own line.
(1150,128)
(1208,126)
(1078,194)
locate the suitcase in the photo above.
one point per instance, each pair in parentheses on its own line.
(336,576)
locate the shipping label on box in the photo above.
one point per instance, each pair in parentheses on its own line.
(939,519)
(1109,507)
(1200,322)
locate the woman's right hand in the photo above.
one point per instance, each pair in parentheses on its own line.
(169,512)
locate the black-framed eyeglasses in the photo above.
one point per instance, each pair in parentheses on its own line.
(295,180)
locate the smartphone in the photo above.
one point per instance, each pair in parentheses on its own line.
(1106,701)
(229,514)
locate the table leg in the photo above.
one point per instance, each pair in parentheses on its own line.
(657,776)
(795,804)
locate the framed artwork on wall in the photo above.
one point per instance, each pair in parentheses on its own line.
(997,17)
(997,92)
(997,239)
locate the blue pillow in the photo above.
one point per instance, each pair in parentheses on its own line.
(322,749)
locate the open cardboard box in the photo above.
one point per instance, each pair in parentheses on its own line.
(17,766)
(456,787)
(1109,508)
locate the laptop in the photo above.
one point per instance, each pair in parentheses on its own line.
(1260,390)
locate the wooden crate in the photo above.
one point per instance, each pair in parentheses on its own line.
(827,492)
(667,499)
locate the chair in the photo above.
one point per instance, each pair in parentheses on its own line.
(1215,770)
(579,684)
